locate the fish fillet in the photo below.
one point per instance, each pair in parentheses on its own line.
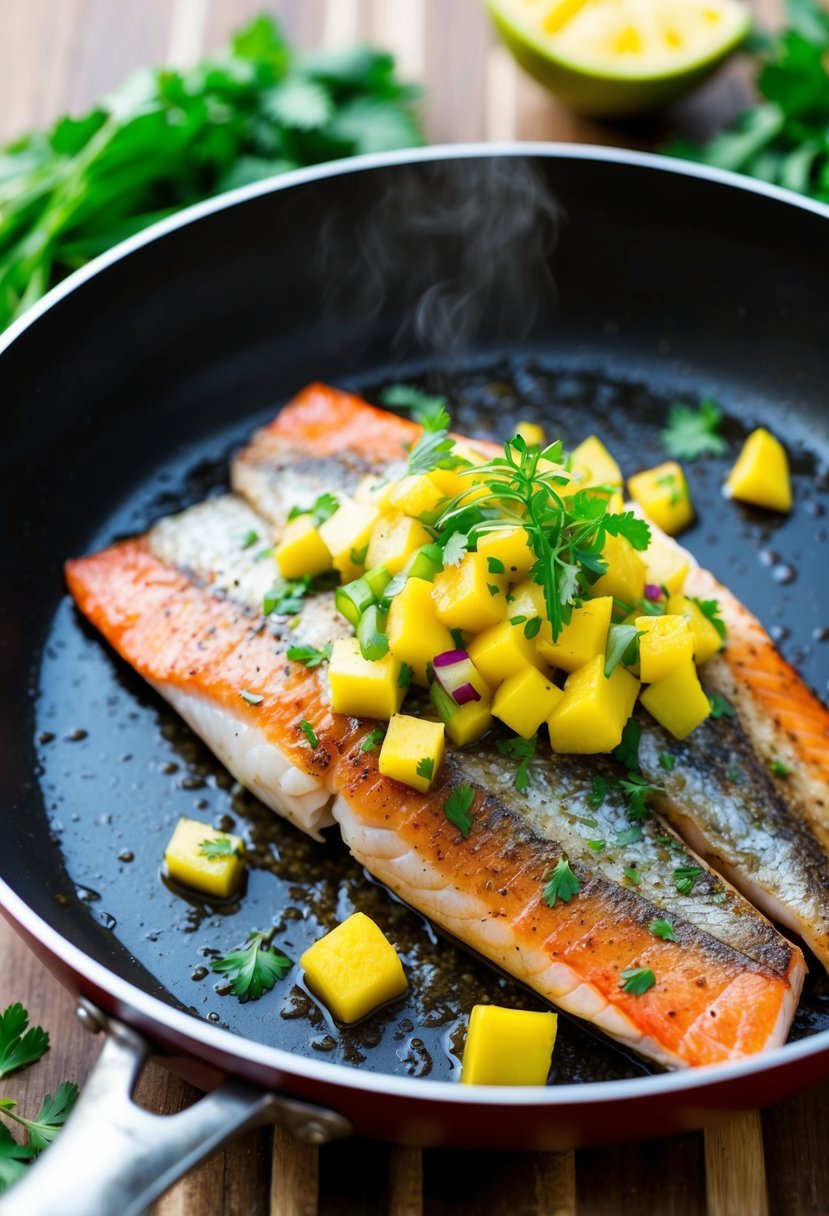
(183,606)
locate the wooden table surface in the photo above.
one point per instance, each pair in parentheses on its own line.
(59,55)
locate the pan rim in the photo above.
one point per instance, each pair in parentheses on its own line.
(201,1034)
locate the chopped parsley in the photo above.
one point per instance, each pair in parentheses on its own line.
(254,968)
(285,596)
(622,647)
(493,588)
(597,845)
(455,548)
(663,929)
(250,538)
(779,768)
(358,556)
(423,407)
(458,808)
(710,609)
(721,707)
(598,793)
(638,792)
(522,750)
(373,739)
(632,874)
(263,554)
(675,491)
(217,847)
(667,761)
(627,753)
(323,509)
(636,980)
(309,733)
(561,883)
(495,566)
(691,433)
(404,679)
(629,836)
(684,878)
(532,627)
(252,698)
(44,1127)
(20,1043)
(309,655)
(426,768)
(433,449)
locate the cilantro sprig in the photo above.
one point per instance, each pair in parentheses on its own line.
(561,883)
(218,847)
(458,808)
(323,508)
(423,407)
(20,1043)
(309,655)
(691,433)
(48,1121)
(254,968)
(522,750)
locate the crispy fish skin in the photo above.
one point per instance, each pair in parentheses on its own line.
(181,607)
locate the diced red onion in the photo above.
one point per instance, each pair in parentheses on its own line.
(653,592)
(449,657)
(465,694)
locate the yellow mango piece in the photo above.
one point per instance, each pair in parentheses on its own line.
(616,503)
(416,494)
(666,643)
(501,651)
(594,709)
(665,563)
(663,495)
(524,700)
(412,751)
(219,876)
(581,639)
(527,600)
(394,539)
(354,968)
(761,474)
(346,534)
(531,433)
(301,549)
(706,639)
(363,688)
(415,633)
(374,490)
(508,1046)
(450,481)
(624,578)
(678,702)
(463,595)
(511,548)
(470,722)
(593,465)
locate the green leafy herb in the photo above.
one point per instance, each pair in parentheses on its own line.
(250,538)
(49,1119)
(404,679)
(629,836)
(433,449)
(561,883)
(263,554)
(309,655)
(458,808)
(322,509)
(667,761)
(218,846)
(309,733)
(685,877)
(358,556)
(532,627)
(426,768)
(598,793)
(493,589)
(721,707)
(254,968)
(622,647)
(495,565)
(691,433)
(597,845)
(636,980)
(455,549)
(711,610)
(735,774)
(627,753)
(638,792)
(373,739)
(252,698)
(663,929)
(522,750)
(632,874)
(458,639)
(675,491)
(779,768)
(20,1044)
(286,596)
(169,138)
(14,1158)
(423,407)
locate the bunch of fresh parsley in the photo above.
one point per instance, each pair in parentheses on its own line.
(20,1045)
(785,138)
(168,138)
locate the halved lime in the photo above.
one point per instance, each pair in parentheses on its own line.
(615,57)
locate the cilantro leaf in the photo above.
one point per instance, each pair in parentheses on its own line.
(286,596)
(632,874)
(721,707)
(458,808)
(49,1119)
(685,877)
(532,628)
(433,449)
(667,761)
(254,968)
(373,739)
(425,768)
(561,883)
(495,566)
(691,433)
(636,980)
(622,647)
(250,538)
(711,610)
(217,847)
(629,526)
(663,929)
(523,750)
(598,793)
(321,510)
(423,407)
(629,836)
(20,1044)
(638,792)
(309,655)
(627,753)
(455,549)
(14,1159)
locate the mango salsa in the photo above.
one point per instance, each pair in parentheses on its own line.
(501,651)
(665,563)
(593,465)
(394,538)
(531,433)
(592,713)
(761,474)
(508,1046)
(666,642)
(346,534)
(706,639)
(510,547)
(469,596)
(302,549)
(415,634)
(412,751)
(581,639)
(625,576)
(354,968)
(416,495)
(663,495)
(219,875)
(678,702)
(363,688)
(524,700)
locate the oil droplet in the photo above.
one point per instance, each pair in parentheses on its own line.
(821,634)
(76,736)
(126,855)
(46,736)
(213,1017)
(779,633)
(199,973)
(784,574)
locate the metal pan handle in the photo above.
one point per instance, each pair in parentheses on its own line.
(114,1158)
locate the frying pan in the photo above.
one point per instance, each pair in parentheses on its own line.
(123,393)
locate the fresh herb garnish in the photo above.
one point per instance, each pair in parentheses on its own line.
(598,793)
(638,792)
(250,538)
(721,707)
(285,596)
(629,836)
(455,549)
(632,874)
(691,433)
(671,483)
(425,768)
(404,679)
(49,1119)
(322,509)
(532,627)
(218,846)
(627,753)
(685,877)
(254,968)
(779,768)
(522,750)
(667,761)
(622,647)
(252,698)
(493,588)
(636,980)
(263,554)
(373,739)
(495,566)
(561,883)
(358,556)
(433,449)
(309,655)
(20,1044)
(597,845)
(663,929)
(309,733)
(458,808)
(711,610)
(423,407)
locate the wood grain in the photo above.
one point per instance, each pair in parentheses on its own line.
(62,55)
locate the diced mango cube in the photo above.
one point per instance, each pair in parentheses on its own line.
(219,874)
(501,651)
(511,548)
(593,465)
(451,482)
(666,565)
(416,494)
(415,633)
(531,433)
(678,702)
(524,700)
(706,638)
(624,578)
(583,637)
(363,688)
(301,549)
(467,596)
(667,641)
(594,709)
(354,968)
(508,1046)
(394,538)
(464,723)
(412,751)
(373,490)
(663,495)
(761,474)
(346,533)
(615,503)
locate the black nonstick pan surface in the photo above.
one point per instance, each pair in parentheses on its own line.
(581,288)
